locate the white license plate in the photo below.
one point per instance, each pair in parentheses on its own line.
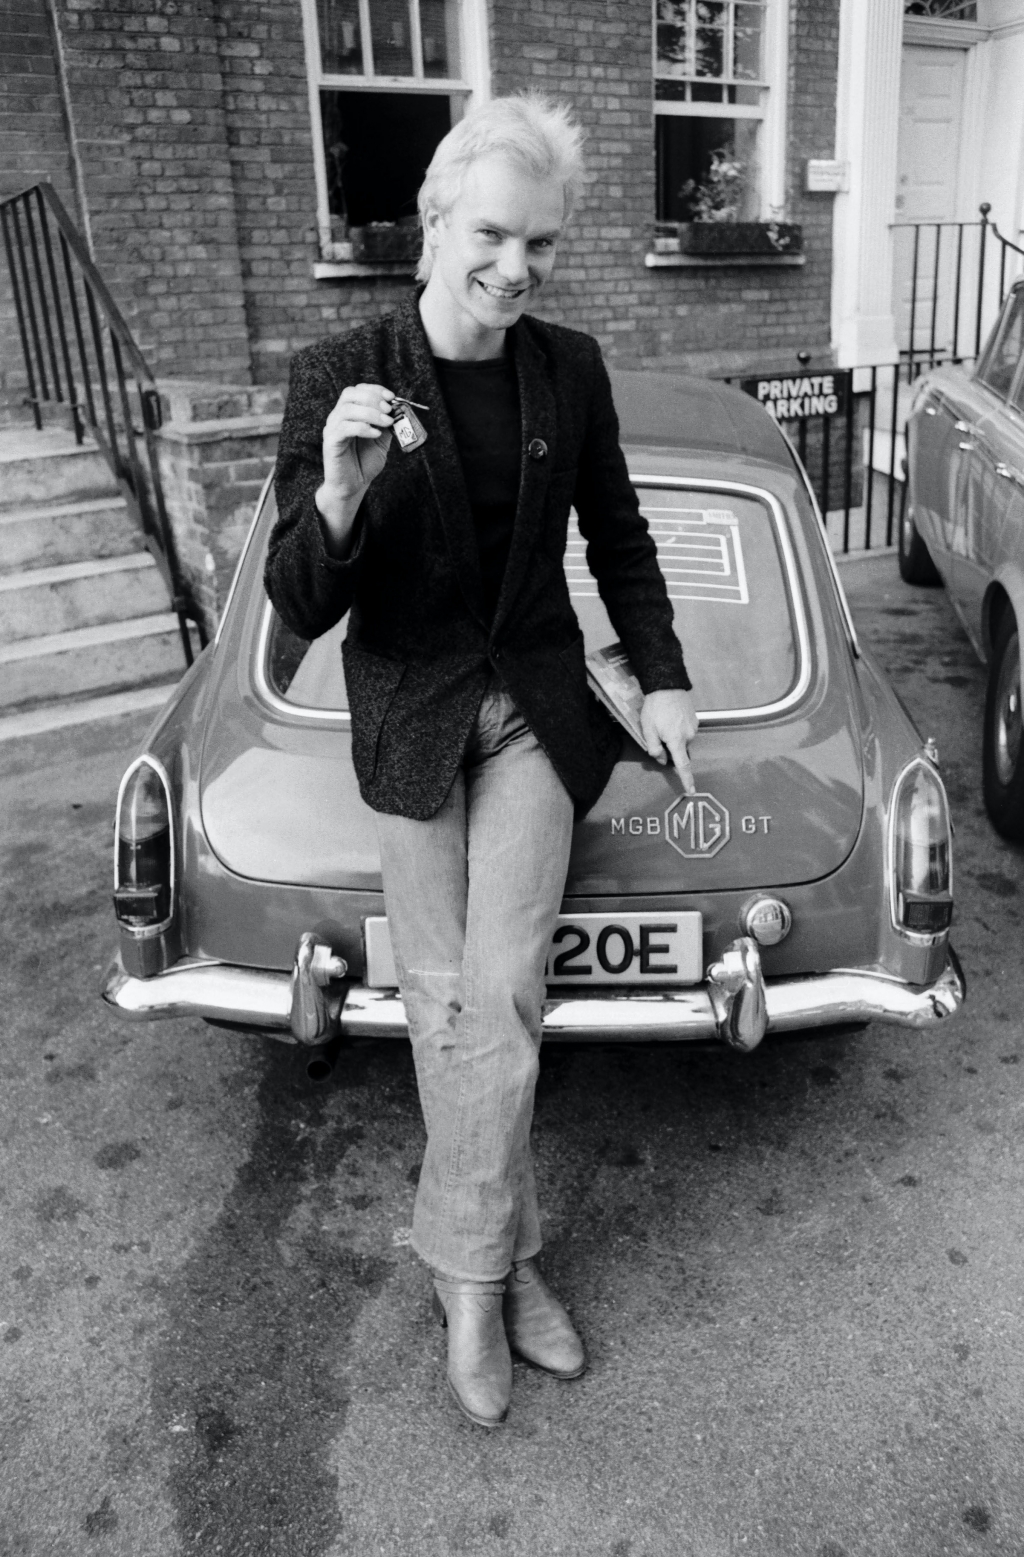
(664,947)
(649,948)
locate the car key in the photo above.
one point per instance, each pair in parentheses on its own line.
(407,427)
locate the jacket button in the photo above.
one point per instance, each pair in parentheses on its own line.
(537,449)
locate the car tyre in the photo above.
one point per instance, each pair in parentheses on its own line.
(1003,750)
(916,565)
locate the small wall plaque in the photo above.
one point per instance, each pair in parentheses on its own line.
(826,178)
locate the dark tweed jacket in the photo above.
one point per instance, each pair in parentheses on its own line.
(419,649)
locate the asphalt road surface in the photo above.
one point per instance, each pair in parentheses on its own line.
(799,1274)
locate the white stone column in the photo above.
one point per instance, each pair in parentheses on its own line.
(867,126)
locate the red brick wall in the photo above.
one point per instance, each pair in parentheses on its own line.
(33,147)
(266,106)
(597,54)
(811,132)
(148,102)
(194,127)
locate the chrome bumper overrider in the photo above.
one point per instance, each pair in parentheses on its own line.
(251,998)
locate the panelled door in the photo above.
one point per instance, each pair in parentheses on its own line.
(927,188)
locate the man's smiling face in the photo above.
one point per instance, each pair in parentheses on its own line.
(495,248)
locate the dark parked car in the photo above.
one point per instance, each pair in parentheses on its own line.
(808,883)
(964,523)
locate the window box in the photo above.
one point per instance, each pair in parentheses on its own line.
(710,238)
(386,242)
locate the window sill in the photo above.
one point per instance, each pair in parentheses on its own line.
(723,261)
(343,270)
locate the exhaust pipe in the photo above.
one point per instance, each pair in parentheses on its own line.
(322,1059)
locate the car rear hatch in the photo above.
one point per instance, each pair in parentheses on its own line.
(778,769)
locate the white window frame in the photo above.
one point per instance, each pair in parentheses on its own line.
(469,88)
(771,111)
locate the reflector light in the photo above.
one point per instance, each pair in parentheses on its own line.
(144,850)
(767,919)
(921,860)
(928,917)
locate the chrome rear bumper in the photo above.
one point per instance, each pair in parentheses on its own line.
(252,998)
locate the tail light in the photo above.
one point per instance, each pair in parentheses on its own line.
(144,850)
(921,868)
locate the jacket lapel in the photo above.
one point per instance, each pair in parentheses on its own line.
(539,422)
(415,378)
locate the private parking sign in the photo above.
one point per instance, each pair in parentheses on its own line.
(697,826)
(811,394)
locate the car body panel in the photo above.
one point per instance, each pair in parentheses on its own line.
(231,918)
(280,802)
(966,473)
(274,841)
(1003,535)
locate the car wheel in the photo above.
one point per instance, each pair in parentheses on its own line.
(916,566)
(1002,755)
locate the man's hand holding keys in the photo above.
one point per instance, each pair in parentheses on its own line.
(357,436)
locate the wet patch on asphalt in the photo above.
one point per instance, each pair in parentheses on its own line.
(117,1154)
(245,1373)
(58,1204)
(996,882)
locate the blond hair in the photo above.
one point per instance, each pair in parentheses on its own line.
(539,135)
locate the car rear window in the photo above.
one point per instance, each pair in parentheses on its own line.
(721,554)
(307,675)
(724,559)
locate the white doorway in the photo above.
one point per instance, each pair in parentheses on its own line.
(929,179)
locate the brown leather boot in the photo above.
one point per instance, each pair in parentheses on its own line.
(537,1325)
(479,1365)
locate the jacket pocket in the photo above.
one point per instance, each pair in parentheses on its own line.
(372,681)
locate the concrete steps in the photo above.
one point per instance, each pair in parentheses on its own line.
(49,466)
(65,532)
(78,594)
(119,654)
(84,618)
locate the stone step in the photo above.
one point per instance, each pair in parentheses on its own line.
(112,657)
(50,467)
(67,712)
(42,601)
(44,534)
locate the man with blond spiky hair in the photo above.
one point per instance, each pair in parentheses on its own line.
(428,463)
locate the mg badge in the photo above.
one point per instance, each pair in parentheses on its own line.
(697,826)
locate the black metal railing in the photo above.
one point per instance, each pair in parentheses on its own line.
(79,353)
(957,275)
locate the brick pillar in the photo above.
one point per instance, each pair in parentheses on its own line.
(216,448)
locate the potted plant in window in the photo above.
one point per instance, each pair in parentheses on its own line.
(717,228)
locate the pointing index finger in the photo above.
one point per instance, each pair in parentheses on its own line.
(681,763)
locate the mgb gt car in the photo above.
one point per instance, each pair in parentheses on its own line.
(807,883)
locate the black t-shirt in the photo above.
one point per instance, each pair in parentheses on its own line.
(482,400)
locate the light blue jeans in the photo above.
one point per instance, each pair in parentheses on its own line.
(472,896)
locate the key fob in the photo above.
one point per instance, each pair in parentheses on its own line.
(407,427)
